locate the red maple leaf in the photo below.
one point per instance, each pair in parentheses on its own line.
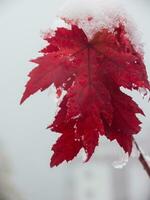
(91,73)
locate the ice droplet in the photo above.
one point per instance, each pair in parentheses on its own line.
(122,162)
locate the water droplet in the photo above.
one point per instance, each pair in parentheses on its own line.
(122,162)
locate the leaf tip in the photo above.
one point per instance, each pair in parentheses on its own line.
(24,97)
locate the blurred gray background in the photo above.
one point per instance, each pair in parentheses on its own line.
(24,141)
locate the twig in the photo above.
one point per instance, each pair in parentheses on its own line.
(142,158)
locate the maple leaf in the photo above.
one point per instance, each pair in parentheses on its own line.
(91,73)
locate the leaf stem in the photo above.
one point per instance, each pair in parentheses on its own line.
(142,158)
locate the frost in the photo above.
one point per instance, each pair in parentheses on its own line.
(77,116)
(122,162)
(92,15)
